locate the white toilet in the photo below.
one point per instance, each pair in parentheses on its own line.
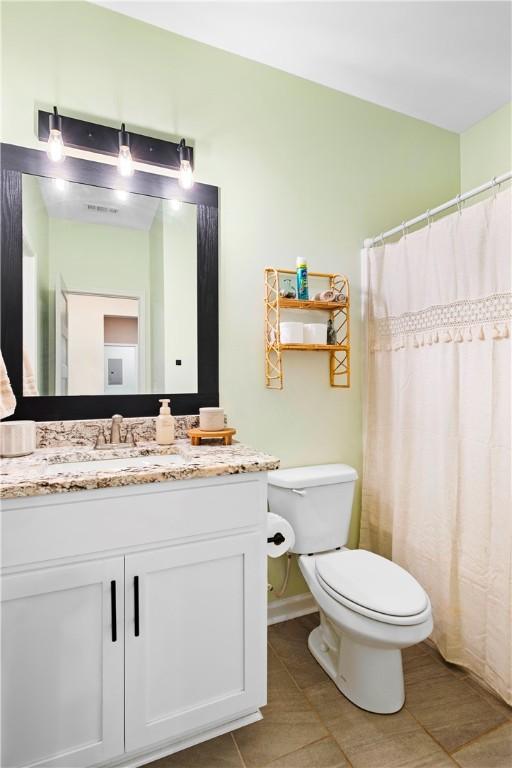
(370,608)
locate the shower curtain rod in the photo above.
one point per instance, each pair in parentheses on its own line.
(495,182)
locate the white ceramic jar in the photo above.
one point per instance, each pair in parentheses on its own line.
(211,419)
(17,438)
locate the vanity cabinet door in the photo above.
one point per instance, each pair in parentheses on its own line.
(62,665)
(195,637)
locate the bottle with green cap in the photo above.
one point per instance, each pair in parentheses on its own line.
(302,279)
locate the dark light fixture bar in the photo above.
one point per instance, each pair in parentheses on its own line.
(92,137)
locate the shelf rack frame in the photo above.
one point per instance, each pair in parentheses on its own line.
(339,312)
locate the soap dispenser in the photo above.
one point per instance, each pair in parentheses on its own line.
(165,424)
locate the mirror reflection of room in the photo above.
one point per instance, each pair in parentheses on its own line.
(109,291)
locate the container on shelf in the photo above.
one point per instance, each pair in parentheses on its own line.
(315,333)
(17,438)
(291,333)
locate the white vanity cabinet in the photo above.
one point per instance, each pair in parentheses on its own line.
(133,620)
(190,655)
(62,676)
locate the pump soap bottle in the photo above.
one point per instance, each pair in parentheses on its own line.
(165,424)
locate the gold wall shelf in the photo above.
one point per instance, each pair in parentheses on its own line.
(339,312)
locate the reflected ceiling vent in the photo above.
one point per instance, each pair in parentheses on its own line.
(101,208)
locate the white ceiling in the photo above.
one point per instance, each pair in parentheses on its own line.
(448,63)
(98,205)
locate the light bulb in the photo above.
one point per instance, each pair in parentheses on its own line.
(55,149)
(175,204)
(124,160)
(186,175)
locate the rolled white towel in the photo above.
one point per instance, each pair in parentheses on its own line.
(331,294)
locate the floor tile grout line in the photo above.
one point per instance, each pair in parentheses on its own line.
(480,691)
(232,734)
(332,736)
(470,741)
(477,738)
(462,673)
(322,721)
(424,727)
(283,665)
(326,725)
(313,708)
(434,655)
(310,705)
(441,663)
(299,749)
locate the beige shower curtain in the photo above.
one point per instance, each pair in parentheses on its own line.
(437,463)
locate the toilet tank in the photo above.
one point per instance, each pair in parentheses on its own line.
(316,501)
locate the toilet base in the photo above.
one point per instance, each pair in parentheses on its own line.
(370,677)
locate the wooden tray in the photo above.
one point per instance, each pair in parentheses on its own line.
(196,435)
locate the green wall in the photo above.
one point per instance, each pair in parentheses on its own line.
(303,171)
(486,149)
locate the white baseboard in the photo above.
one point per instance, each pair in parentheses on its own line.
(287,608)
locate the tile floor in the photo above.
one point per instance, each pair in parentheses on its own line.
(448,719)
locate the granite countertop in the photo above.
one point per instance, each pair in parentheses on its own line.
(51,470)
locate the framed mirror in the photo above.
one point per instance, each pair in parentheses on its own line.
(109,289)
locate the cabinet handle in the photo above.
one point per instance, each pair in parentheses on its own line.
(136,604)
(113,608)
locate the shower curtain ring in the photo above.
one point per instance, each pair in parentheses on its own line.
(404,229)
(459,204)
(429,218)
(381,238)
(494,186)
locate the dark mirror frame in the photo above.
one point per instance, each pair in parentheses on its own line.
(14,162)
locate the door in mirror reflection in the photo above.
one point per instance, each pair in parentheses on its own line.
(109,291)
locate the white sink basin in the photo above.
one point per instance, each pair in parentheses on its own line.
(105,465)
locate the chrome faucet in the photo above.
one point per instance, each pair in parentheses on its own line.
(115,435)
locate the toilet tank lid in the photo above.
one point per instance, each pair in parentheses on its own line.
(308,477)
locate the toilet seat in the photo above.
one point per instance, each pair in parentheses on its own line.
(372,586)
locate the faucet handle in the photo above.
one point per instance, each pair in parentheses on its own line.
(130,437)
(101,439)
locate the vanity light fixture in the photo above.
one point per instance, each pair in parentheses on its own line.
(55,149)
(124,159)
(186,172)
(128,147)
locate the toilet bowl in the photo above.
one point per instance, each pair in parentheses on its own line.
(360,649)
(370,608)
